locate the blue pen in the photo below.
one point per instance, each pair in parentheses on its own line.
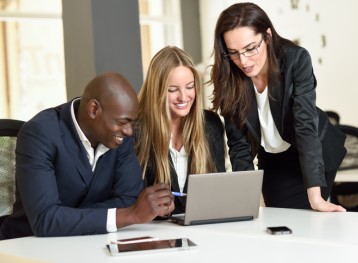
(179,194)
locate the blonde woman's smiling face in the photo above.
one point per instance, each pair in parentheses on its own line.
(181,91)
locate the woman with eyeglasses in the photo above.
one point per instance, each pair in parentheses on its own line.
(265,89)
(175,136)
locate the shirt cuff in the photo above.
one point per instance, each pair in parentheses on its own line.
(111,220)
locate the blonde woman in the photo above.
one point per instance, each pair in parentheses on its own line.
(174,135)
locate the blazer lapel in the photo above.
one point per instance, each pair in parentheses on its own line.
(252,121)
(74,146)
(276,106)
(276,101)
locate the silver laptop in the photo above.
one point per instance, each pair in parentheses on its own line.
(221,197)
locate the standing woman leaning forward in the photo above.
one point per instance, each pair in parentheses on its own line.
(174,135)
(265,88)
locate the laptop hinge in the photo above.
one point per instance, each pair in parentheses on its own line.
(221,220)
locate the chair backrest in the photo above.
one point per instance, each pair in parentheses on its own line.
(350,161)
(346,193)
(333,117)
(8,134)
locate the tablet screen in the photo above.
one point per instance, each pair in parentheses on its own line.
(151,246)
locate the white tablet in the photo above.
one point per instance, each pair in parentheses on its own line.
(149,246)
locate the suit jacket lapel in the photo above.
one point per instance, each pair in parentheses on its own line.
(74,146)
(276,106)
(253,122)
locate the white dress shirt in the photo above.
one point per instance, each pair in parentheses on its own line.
(270,138)
(93,155)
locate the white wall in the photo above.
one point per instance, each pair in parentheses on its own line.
(337,88)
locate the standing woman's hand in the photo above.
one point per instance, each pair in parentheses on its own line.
(319,204)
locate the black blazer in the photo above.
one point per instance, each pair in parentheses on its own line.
(214,131)
(299,122)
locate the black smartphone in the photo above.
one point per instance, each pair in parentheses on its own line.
(279,230)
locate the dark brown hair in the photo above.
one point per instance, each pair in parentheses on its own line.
(231,85)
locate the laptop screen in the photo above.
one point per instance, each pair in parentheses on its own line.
(222,197)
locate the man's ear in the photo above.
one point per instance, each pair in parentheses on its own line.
(92,108)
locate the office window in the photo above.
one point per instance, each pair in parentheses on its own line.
(160,22)
(32,75)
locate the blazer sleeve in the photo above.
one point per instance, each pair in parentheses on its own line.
(239,147)
(306,119)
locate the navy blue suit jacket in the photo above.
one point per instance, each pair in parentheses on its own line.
(57,192)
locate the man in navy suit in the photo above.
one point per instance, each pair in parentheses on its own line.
(76,170)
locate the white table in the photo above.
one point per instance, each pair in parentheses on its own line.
(317,237)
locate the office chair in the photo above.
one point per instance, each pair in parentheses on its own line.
(333,117)
(346,194)
(8,133)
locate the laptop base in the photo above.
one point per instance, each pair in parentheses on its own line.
(181,220)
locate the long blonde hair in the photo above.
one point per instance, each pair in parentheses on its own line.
(154,118)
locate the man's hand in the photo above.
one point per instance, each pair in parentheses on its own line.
(153,201)
(319,204)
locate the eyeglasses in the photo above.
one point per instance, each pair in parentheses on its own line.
(248,53)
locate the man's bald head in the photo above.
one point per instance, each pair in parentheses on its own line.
(108,86)
(108,105)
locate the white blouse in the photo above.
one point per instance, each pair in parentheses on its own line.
(180,162)
(270,138)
